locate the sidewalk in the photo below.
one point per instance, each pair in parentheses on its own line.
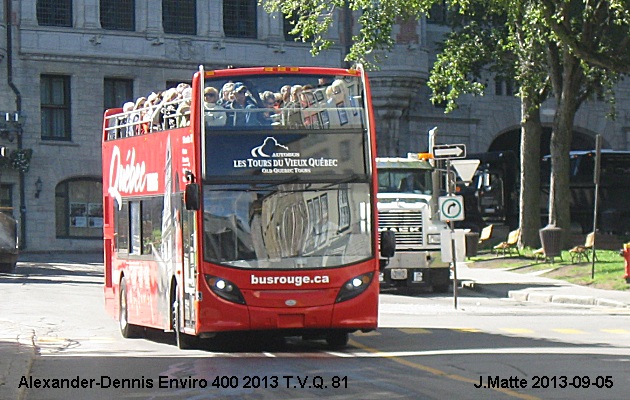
(530,287)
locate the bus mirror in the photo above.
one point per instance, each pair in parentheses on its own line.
(192,197)
(388,243)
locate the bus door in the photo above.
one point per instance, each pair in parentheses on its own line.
(189,265)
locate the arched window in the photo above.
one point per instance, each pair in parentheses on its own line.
(79,208)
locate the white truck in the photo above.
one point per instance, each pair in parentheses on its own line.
(405,199)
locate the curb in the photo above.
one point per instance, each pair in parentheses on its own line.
(525,295)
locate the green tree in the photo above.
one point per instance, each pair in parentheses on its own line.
(538,43)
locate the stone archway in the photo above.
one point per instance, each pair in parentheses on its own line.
(510,140)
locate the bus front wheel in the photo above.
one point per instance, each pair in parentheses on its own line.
(182,340)
(337,339)
(126,329)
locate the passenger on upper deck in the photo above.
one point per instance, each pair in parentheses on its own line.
(285,92)
(183,111)
(127,108)
(135,116)
(226,95)
(268,99)
(213,115)
(241,103)
(168,109)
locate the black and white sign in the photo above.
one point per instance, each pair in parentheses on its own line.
(447,151)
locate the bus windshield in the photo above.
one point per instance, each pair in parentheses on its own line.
(286,226)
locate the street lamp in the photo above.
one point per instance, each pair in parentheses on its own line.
(38,187)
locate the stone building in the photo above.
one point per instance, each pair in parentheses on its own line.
(63,62)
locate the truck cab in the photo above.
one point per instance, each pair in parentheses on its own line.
(405,198)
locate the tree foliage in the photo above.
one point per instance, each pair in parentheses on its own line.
(571,49)
(314,18)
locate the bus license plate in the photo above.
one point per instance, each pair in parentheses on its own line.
(399,274)
(417,276)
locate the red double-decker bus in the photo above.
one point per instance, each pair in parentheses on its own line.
(256,212)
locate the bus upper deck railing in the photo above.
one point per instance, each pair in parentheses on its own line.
(176,114)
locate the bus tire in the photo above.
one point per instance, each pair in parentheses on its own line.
(337,339)
(127,330)
(8,267)
(182,340)
(441,288)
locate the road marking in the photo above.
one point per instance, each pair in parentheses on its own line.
(569,331)
(415,331)
(469,330)
(617,331)
(440,373)
(370,333)
(518,331)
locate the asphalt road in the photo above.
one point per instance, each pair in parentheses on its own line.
(488,348)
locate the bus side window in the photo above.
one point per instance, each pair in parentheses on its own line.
(122,227)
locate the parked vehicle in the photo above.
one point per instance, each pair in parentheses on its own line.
(8,243)
(405,188)
(614,190)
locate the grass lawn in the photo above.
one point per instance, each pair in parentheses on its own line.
(609,267)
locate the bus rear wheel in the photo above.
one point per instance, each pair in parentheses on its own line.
(126,329)
(182,340)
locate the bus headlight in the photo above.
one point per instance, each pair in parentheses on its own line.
(225,289)
(354,287)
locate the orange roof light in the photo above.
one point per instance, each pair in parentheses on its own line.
(281,69)
(425,156)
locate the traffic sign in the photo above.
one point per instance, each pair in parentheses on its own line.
(446,151)
(451,208)
(465,168)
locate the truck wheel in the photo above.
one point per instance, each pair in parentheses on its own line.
(126,329)
(7,267)
(441,288)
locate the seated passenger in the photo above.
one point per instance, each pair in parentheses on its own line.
(285,93)
(183,111)
(136,116)
(213,116)
(127,108)
(226,95)
(268,99)
(168,109)
(241,103)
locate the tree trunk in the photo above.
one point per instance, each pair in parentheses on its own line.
(529,198)
(561,137)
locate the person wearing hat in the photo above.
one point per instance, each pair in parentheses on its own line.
(213,115)
(241,103)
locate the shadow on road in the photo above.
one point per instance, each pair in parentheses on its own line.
(56,269)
